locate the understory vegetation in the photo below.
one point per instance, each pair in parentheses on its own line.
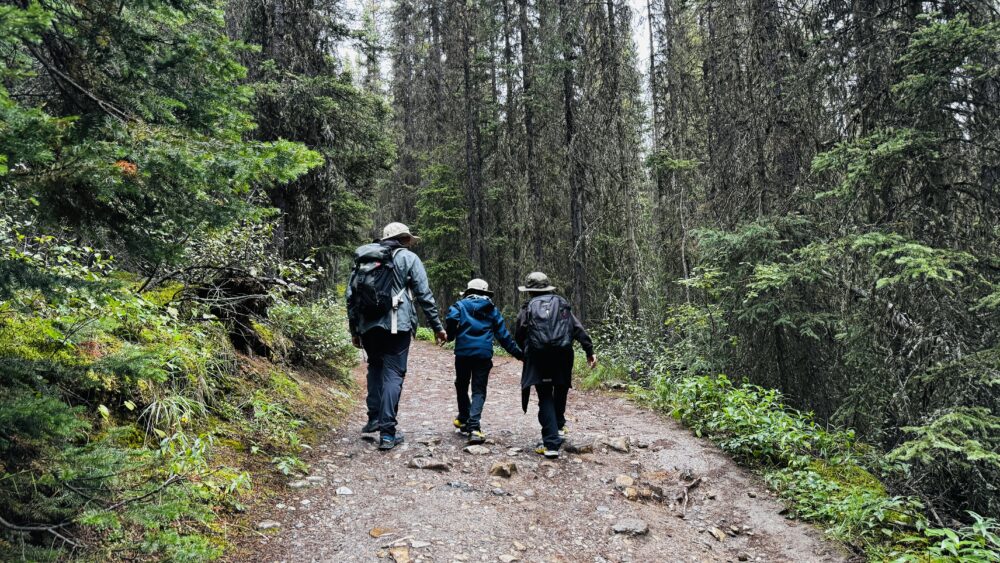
(130,424)
(168,348)
(861,495)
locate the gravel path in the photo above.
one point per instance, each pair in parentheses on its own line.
(689,501)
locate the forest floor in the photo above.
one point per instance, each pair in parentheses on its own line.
(361,504)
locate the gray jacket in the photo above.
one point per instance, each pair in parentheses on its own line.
(410,273)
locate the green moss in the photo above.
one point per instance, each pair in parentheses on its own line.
(264,332)
(284,386)
(848,475)
(37,339)
(164,294)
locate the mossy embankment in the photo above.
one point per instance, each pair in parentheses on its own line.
(130,427)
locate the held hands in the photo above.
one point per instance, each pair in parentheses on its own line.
(592,361)
(356,341)
(440,337)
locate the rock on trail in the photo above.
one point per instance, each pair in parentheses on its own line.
(635,487)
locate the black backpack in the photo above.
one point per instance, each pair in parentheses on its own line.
(550,323)
(374,286)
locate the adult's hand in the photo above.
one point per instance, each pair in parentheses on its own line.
(592,361)
(356,341)
(441,337)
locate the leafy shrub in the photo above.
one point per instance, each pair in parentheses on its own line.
(424,334)
(976,543)
(319,335)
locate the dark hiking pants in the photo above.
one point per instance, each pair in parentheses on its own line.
(552,412)
(477,372)
(387,355)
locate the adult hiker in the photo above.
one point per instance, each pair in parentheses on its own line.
(387,282)
(473,322)
(546,328)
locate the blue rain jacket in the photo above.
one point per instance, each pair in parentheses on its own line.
(473,322)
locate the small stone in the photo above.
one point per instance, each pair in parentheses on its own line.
(344,491)
(624,481)
(631,527)
(582,447)
(619,444)
(520,546)
(503,469)
(400,554)
(379,532)
(508,558)
(631,493)
(429,463)
(499,492)
(751,494)
(417,544)
(268,525)
(316,479)
(528,493)
(513,451)
(299,484)
(602,508)
(719,534)
(743,556)
(477,450)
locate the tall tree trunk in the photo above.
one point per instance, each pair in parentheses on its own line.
(576,190)
(473,150)
(531,136)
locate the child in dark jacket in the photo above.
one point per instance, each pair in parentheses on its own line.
(473,322)
(546,329)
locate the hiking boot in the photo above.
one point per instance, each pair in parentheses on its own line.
(477,437)
(460,426)
(549,454)
(563,432)
(388,442)
(372,426)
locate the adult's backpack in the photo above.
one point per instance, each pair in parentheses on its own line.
(550,323)
(374,290)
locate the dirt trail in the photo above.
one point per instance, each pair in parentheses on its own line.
(561,511)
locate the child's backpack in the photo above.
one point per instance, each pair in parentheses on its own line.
(374,292)
(550,323)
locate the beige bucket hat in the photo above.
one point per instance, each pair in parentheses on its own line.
(397,230)
(477,287)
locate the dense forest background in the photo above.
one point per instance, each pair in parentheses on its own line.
(802,195)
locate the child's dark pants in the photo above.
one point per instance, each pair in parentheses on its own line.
(552,412)
(477,372)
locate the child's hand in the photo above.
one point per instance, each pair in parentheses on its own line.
(592,361)
(441,337)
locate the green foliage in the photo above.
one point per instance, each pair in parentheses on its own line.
(318,332)
(110,406)
(154,150)
(424,334)
(441,220)
(977,543)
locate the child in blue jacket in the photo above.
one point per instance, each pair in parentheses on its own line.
(473,322)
